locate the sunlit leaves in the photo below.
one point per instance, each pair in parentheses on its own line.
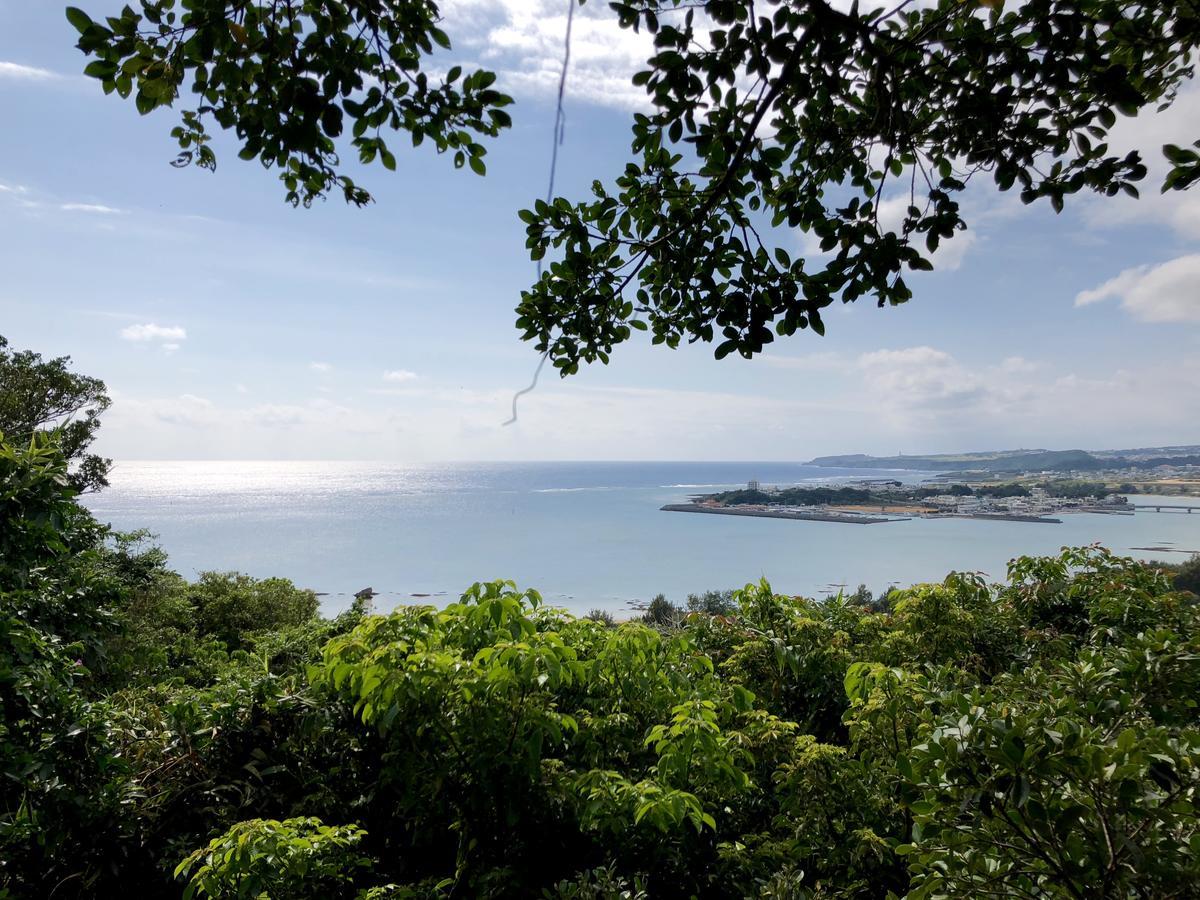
(270,858)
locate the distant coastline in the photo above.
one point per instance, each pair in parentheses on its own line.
(1024,497)
(1173,470)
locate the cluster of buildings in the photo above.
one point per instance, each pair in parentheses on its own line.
(1038,503)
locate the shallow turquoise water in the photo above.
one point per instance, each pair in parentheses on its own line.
(585,534)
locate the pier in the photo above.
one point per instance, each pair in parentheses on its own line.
(1160,507)
(804,516)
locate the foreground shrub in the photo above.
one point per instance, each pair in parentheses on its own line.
(264,857)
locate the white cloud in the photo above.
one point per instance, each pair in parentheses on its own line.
(241,389)
(1018,365)
(917,394)
(12,188)
(96,208)
(914,397)
(919,377)
(1169,292)
(186,410)
(809,362)
(950,252)
(1147,132)
(151,332)
(321,367)
(522,40)
(19,72)
(399,375)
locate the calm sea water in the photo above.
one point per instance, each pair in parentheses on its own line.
(584,534)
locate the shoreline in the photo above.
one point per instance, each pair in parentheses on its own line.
(849,518)
(780,514)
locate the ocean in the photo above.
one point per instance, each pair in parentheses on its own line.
(585,535)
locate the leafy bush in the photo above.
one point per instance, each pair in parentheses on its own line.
(663,612)
(230,605)
(603,616)
(1188,576)
(264,857)
(712,603)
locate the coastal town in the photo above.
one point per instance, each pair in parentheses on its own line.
(873,501)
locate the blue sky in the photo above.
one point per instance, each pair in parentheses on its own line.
(229,325)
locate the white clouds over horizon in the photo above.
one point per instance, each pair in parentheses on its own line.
(399,375)
(98,208)
(920,397)
(1169,292)
(20,72)
(170,335)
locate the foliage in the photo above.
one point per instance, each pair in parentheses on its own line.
(56,764)
(228,605)
(763,119)
(1188,576)
(1059,782)
(603,616)
(803,115)
(1077,489)
(1038,737)
(598,884)
(712,603)
(264,857)
(1009,489)
(39,395)
(288,77)
(661,611)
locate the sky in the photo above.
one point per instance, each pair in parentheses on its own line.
(229,325)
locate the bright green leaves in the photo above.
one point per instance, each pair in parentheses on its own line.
(495,694)
(607,800)
(269,858)
(860,130)
(693,751)
(40,395)
(1052,785)
(293,80)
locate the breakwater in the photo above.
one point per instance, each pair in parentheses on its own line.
(777,514)
(1007,517)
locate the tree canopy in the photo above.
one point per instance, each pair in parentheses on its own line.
(39,395)
(800,116)
(286,75)
(763,120)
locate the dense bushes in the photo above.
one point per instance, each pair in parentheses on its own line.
(1034,738)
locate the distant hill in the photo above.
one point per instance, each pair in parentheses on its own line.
(992,461)
(1140,453)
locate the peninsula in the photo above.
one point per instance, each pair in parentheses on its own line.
(869,502)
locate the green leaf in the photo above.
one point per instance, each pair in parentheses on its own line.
(78,18)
